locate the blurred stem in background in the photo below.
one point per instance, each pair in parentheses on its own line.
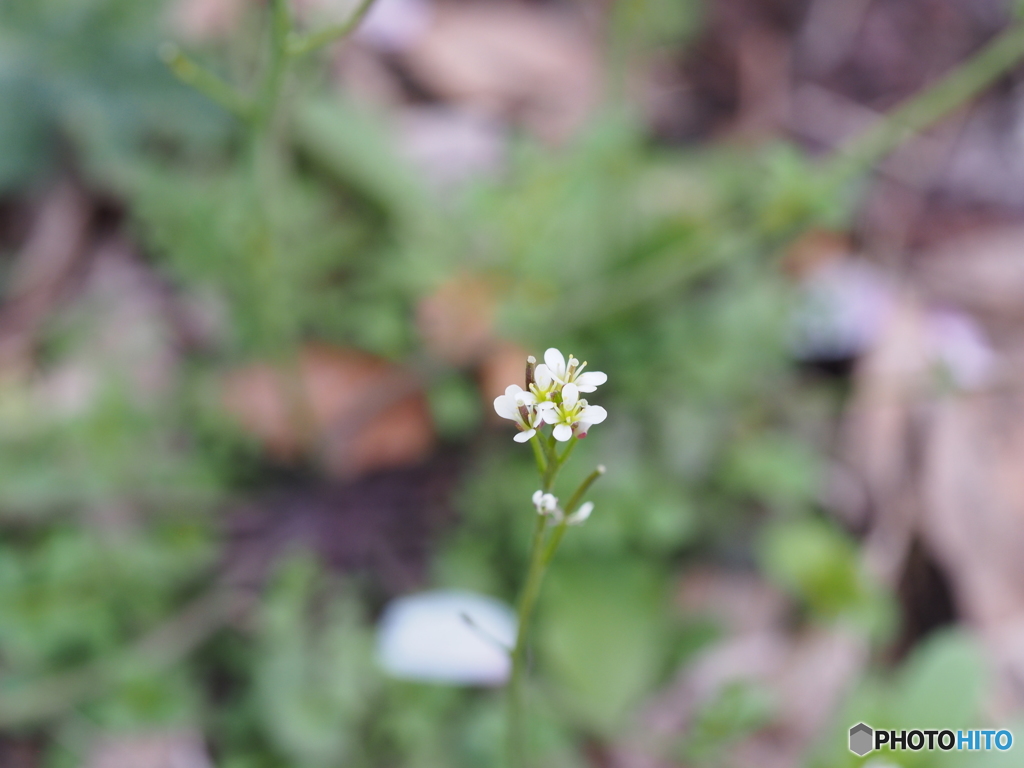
(664,273)
(264,119)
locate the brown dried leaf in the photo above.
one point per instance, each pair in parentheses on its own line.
(511,61)
(354,411)
(505,364)
(983,273)
(456,322)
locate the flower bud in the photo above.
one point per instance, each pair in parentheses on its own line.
(531,371)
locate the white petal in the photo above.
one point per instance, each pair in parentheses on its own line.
(593,414)
(537,497)
(562,432)
(426,637)
(506,408)
(512,391)
(581,514)
(570,395)
(551,416)
(555,362)
(591,380)
(522,437)
(543,376)
(526,398)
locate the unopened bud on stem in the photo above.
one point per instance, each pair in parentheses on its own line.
(531,371)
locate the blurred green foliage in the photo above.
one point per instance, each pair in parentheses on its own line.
(655,264)
(941,683)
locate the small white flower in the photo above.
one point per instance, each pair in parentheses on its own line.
(572,415)
(545,503)
(561,372)
(580,515)
(517,405)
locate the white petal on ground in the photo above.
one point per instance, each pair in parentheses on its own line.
(555,362)
(522,437)
(593,414)
(591,380)
(425,637)
(562,432)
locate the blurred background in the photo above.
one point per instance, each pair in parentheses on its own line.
(246,377)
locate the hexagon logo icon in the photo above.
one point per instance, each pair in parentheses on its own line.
(861,739)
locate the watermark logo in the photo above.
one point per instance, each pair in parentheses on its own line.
(865,739)
(861,739)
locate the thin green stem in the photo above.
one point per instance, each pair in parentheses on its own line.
(577,495)
(574,501)
(540,557)
(554,463)
(517,732)
(300,45)
(568,450)
(938,100)
(193,74)
(280,31)
(538,454)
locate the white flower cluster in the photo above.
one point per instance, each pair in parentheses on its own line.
(547,504)
(553,397)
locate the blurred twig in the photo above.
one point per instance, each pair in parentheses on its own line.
(938,100)
(683,265)
(299,45)
(203,80)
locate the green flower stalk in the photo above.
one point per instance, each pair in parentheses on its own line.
(551,399)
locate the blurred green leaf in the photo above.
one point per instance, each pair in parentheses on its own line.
(603,637)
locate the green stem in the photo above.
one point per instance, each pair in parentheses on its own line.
(299,45)
(540,558)
(568,450)
(538,454)
(938,100)
(517,731)
(553,465)
(203,80)
(577,496)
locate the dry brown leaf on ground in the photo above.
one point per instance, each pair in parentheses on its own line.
(814,249)
(456,321)
(509,60)
(878,419)
(974,502)
(183,749)
(983,273)
(356,412)
(504,364)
